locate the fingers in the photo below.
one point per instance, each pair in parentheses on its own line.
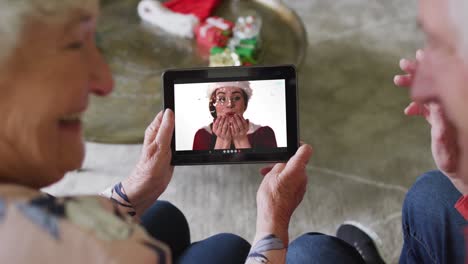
(243,123)
(409,66)
(225,126)
(152,129)
(438,117)
(298,162)
(166,130)
(416,109)
(277,168)
(404,80)
(217,126)
(234,127)
(238,122)
(222,128)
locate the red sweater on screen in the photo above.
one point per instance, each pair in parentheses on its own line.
(259,138)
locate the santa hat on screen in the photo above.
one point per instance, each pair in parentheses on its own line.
(244,85)
(178,17)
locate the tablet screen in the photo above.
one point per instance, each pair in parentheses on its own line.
(231,117)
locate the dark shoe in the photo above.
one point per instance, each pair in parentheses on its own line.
(354,234)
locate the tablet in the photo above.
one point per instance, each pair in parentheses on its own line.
(231,115)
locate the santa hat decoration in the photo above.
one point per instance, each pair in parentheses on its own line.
(199,8)
(178,17)
(244,85)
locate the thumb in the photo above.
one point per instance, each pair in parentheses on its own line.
(437,117)
(299,161)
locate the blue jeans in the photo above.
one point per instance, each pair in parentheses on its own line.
(432,227)
(166,223)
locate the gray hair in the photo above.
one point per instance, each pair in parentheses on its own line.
(458,13)
(14,15)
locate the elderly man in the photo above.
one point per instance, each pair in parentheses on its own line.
(435,211)
(436,208)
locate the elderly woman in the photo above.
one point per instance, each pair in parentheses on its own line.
(49,66)
(229,130)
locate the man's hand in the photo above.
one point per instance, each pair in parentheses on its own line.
(280,193)
(153,172)
(445,149)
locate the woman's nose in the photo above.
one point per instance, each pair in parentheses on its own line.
(101,81)
(230,103)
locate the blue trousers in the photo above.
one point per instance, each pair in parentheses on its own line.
(166,223)
(432,230)
(432,227)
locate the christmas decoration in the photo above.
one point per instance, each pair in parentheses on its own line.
(248,27)
(224,58)
(215,31)
(202,9)
(227,44)
(177,17)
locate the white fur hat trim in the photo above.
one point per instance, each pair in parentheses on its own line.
(244,85)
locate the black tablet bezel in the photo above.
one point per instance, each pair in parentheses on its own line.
(227,74)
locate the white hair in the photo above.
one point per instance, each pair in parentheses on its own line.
(15,13)
(458,13)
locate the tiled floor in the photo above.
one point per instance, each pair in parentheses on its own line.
(367,153)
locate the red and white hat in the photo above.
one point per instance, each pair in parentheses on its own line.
(244,85)
(178,17)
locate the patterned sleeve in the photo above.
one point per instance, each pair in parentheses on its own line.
(60,230)
(118,196)
(269,249)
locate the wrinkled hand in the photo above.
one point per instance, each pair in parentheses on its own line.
(445,149)
(153,172)
(281,192)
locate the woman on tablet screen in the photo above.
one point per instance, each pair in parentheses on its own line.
(229,129)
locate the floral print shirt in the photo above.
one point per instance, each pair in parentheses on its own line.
(39,228)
